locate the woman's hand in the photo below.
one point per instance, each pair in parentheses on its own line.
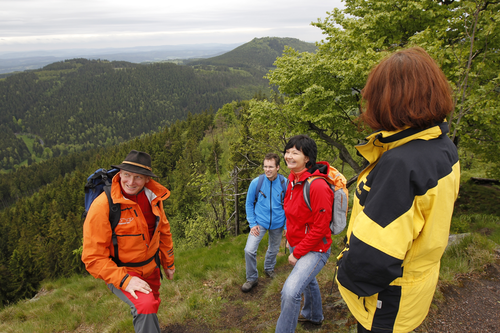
(292,260)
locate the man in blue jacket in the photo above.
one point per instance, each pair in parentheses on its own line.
(264,208)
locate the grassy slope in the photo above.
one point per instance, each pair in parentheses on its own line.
(207,283)
(205,295)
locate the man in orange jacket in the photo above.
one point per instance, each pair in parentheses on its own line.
(131,268)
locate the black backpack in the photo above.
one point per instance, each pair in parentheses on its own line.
(98,182)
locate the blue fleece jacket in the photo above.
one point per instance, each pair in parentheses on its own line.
(268,211)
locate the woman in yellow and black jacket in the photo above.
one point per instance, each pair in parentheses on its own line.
(404,199)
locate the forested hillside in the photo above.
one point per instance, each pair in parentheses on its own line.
(259,54)
(81,104)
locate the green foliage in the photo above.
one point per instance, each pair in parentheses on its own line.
(460,224)
(321,90)
(13,150)
(479,199)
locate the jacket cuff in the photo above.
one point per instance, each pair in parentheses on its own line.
(122,283)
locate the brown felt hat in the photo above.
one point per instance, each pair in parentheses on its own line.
(137,162)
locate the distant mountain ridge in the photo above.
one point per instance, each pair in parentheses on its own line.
(259,52)
(21,61)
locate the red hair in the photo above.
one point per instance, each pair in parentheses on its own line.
(406,89)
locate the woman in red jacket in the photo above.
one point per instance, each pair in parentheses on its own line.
(308,234)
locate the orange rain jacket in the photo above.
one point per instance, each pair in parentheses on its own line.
(134,244)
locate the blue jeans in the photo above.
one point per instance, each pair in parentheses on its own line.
(272,251)
(302,280)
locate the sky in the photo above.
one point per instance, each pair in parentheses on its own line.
(28,25)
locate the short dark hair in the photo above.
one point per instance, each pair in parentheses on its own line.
(406,89)
(272,156)
(306,145)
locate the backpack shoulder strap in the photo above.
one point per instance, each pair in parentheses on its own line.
(114,218)
(282,181)
(259,185)
(114,209)
(307,189)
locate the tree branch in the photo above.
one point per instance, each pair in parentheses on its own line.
(343,152)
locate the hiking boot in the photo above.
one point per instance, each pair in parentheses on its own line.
(270,274)
(303,319)
(247,286)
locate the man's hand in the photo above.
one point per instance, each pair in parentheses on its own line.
(170,273)
(255,231)
(137,284)
(292,260)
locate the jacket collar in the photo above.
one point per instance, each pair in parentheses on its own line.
(382,141)
(317,169)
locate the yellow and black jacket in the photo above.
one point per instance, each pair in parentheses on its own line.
(399,227)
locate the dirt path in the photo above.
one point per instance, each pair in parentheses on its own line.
(473,305)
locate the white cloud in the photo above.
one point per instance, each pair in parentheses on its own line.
(51,24)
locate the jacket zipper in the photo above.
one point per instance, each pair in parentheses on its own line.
(271,206)
(132,235)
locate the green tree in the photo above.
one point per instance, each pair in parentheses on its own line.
(321,90)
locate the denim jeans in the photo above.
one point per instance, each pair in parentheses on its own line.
(302,280)
(272,251)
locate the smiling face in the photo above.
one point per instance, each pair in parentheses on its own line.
(295,159)
(271,169)
(132,183)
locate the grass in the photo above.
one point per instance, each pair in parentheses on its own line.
(65,305)
(28,141)
(470,254)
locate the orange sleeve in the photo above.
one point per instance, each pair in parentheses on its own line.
(97,245)
(166,243)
